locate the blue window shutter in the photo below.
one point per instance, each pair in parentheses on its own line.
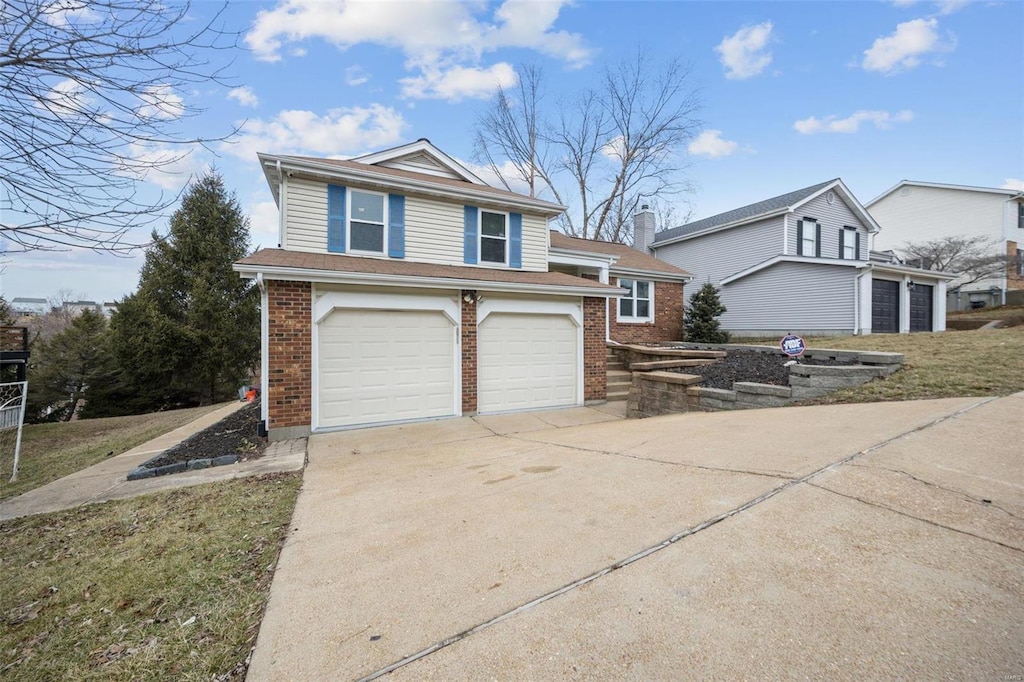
(856,247)
(470,235)
(515,242)
(396,226)
(799,237)
(335,219)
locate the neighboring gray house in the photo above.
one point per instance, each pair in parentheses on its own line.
(799,263)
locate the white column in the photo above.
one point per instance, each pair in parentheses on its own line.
(905,305)
(939,306)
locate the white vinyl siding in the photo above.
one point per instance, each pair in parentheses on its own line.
(832,218)
(433,229)
(802,298)
(305,216)
(526,362)
(715,256)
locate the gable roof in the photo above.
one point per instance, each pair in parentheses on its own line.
(388,178)
(422,156)
(626,257)
(745,214)
(1014,193)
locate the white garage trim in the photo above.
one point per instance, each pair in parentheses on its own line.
(572,310)
(332,300)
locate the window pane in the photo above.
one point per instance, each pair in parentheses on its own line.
(492,250)
(625,307)
(627,284)
(492,224)
(367,237)
(643,289)
(367,207)
(643,308)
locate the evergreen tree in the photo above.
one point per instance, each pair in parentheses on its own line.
(701,320)
(190,334)
(65,367)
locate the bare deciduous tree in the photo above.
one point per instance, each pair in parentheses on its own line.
(973,258)
(602,150)
(91,95)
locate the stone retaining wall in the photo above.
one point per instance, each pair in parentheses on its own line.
(654,393)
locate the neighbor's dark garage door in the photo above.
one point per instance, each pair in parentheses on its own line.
(921,308)
(885,306)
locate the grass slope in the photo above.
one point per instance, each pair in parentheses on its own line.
(940,365)
(170,586)
(52,451)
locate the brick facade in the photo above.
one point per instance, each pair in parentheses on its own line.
(468,353)
(668,318)
(289,378)
(595,353)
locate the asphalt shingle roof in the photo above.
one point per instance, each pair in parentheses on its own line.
(628,257)
(742,213)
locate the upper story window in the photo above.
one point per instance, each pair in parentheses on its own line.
(1020,214)
(493,237)
(636,306)
(808,237)
(366,221)
(848,243)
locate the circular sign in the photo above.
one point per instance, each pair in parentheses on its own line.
(793,346)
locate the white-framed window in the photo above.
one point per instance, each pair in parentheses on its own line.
(493,237)
(367,221)
(638,304)
(808,237)
(849,245)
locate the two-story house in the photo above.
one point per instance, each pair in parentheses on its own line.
(799,263)
(405,288)
(915,212)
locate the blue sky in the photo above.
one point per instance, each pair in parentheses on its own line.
(794,93)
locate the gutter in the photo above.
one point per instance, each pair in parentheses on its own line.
(336,277)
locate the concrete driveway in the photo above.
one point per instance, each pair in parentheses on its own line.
(857,541)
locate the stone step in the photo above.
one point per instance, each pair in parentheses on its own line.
(619,373)
(617,395)
(665,364)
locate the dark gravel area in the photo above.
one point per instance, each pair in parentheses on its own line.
(233,435)
(748,365)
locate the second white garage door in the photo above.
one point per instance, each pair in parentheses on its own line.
(526,361)
(385,365)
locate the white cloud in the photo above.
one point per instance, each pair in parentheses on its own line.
(744,53)
(903,3)
(1013,183)
(882,120)
(458,82)
(244,96)
(950,6)
(65,98)
(160,101)
(339,132)
(263,218)
(906,47)
(166,167)
(710,143)
(356,75)
(64,12)
(444,42)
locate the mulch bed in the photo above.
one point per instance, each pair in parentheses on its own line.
(233,435)
(748,365)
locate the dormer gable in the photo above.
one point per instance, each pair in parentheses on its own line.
(420,157)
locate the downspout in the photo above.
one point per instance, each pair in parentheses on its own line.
(602,277)
(264,352)
(280,212)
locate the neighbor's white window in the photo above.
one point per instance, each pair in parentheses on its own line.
(849,237)
(366,221)
(493,237)
(636,306)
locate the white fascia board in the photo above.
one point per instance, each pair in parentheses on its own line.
(637,273)
(421,146)
(916,272)
(364,278)
(1013,193)
(580,258)
(851,201)
(391,182)
(726,226)
(794,259)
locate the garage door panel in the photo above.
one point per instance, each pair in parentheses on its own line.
(378,366)
(885,306)
(527,361)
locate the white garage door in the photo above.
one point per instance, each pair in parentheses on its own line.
(385,365)
(526,361)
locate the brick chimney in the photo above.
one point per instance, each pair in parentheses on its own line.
(643,229)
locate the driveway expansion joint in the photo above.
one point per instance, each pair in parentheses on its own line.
(668,542)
